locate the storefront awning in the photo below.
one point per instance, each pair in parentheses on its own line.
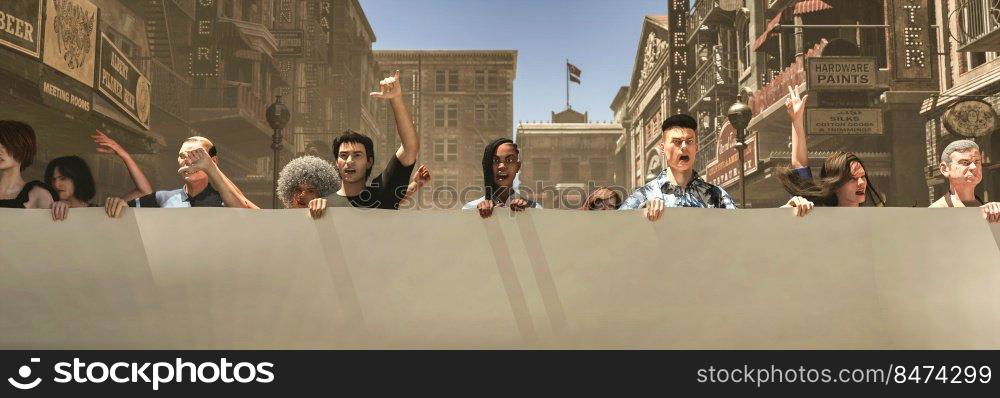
(768,31)
(808,6)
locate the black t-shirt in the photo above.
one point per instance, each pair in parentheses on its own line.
(208,197)
(384,192)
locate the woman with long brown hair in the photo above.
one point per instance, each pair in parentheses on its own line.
(603,198)
(843,181)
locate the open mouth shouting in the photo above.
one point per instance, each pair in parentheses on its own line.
(501,176)
(350,172)
(684,160)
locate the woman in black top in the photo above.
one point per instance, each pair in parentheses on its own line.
(74,183)
(17,150)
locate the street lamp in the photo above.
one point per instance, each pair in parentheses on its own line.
(739,117)
(278,117)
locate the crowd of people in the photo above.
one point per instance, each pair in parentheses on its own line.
(313,183)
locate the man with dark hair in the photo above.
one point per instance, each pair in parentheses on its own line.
(678,185)
(355,154)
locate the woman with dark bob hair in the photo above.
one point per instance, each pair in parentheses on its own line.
(17,151)
(843,181)
(74,183)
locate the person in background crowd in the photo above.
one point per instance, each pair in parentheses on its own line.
(419,179)
(17,151)
(204,183)
(501,163)
(678,185)
(843,179)
(603,198)
(72,179)
(355,154)
(962,165)
(303,183)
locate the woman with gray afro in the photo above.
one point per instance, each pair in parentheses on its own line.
(304,179)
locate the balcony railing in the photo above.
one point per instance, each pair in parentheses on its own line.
(237,96)
(707,12)
(172,90)
(717,72)
(978,25)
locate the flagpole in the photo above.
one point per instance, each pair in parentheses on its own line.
(567,83)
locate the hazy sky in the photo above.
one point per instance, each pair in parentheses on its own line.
(598,36)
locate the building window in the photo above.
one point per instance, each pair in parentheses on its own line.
(744,47)
(540,167)
(446,150)
(490,80)
(446,115)
(570,170)
(487,115)
(598,170)
(447,180)
(446,80)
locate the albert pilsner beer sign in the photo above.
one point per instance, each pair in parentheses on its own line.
(841,73)
(121,82)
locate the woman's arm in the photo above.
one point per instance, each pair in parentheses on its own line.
(796,108)
(107,145)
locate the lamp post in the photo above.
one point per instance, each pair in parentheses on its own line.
(278,117)
(739,117)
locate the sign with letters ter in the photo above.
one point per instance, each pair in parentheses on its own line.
(122,83)
(20,25)
(844,121)
(838,73)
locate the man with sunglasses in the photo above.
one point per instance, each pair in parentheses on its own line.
(501,163)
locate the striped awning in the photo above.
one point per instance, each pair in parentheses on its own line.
(807,6)
(767,31)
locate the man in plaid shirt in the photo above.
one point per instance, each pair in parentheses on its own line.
(678,185)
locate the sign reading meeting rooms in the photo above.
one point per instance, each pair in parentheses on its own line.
(837,73)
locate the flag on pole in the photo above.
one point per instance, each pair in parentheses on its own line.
(574,73)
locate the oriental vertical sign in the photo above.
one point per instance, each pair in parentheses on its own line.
(204,57)
(911,31)
(677,11)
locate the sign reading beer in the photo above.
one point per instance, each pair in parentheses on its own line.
(291,43)
(677,11)
(832,73)
(971,118)
(20,25)
(71,38)
(204,57)
(122,83)
(911,28)
(844,121)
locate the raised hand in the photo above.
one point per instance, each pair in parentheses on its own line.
(796,106)
(422,176)
(114,206)
(317,207)
(991,211)
(801,206)
(105,144)
(654,209)
(389,88)
(195,161)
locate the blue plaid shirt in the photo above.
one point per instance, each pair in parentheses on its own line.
(698,193)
